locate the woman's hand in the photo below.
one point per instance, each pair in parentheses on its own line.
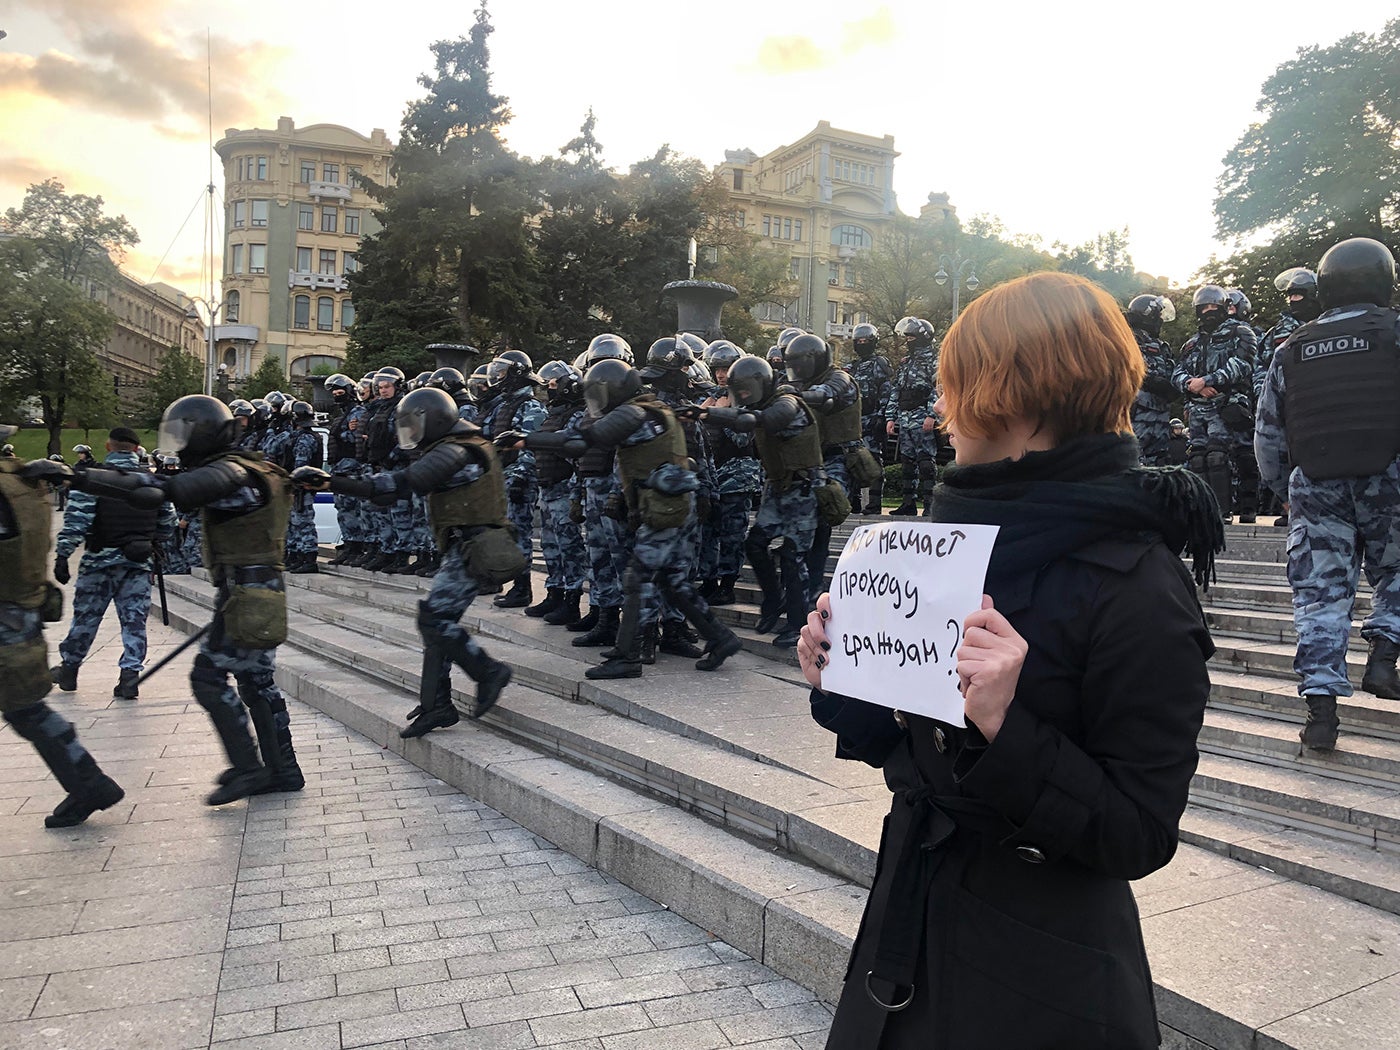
(812,646)
(989,665)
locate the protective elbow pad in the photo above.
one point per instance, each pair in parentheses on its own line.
(203,485)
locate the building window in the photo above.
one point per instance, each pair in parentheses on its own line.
(262,169)
(327,219)
(738,180)
(235,258)
(347,314)
(740,218)
(768,226)
(787,229)
(308,171)
(833,273)
(848,236)
(795,269)
(352,221)
(305,366)
(240,214)
(782,228)
(306,217)
(231,304)
(830,312)
(327,261)
(775,313)
(303,260)
(259,213)
(797,230)
(330,172)
(850,276)
(325,313)
(301,312)
(352,263)
(352,174)
(257,258)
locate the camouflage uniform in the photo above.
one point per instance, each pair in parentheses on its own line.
(1225,359)
(1152,406)
(739,478)
(107,577)
(193,549)
(1274,338)
(346,452)
(381,444)
(305,450)
(520,411)
(912,394)
(1336,527)
(838,390)
(873,375)
(561,538)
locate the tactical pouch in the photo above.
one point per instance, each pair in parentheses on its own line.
(51,611)
(137,550)
(492,555)
(832,505)
(24,668)
(255,617)
(1235,413)
(862,467)
(911,397)
(660,511)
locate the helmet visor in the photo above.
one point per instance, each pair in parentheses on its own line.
(175,434)
(410,427)
(1284,280)
(1168,310)
(596,394)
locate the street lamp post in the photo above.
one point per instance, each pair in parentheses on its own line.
(210,365)
(952,267)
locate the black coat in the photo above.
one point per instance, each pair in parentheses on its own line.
(1002,888)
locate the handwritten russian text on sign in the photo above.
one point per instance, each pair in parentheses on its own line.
(898,600)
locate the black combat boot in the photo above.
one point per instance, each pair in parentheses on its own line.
(709,588)
(518,596)
(1320,730)
(345,553)
(1381,678)
(646,646)
(771,609)
(98,791)
(89,789)
(553,598)
(586,622)
(626,659)
(376,561)
(797,605)
(428,564)
(404,565)
(364,555)
(725,594)
(248,776)
(673,641)
(875,505)
(720,642)
(65,676)
(567,611)
(908,506)
(604,631)
(305,566)
(126,684)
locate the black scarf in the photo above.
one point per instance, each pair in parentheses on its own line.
(1050,504)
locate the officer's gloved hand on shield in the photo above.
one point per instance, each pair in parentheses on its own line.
(313,479)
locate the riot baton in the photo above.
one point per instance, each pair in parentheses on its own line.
(170,656)
(156,565)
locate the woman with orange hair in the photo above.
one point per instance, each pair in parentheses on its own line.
(1001,917)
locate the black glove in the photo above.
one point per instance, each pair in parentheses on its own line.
(313,478)
(60,570)
(615,507)
(507,438)
(576,512)
(47,469)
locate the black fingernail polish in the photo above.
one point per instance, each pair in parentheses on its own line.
(824,613)
(826,646)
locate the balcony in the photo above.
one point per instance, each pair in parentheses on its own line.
(333,191)
(837,331)
(334,281)
(237,332)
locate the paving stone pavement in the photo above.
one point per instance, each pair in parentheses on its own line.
(377,908)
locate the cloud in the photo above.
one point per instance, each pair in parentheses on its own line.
(118,63)
(23,172)
(779,55)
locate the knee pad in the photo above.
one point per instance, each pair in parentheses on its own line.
(1196,462)
(208,683)
(26,720)
(1216,458)
(756,543)
(429,626)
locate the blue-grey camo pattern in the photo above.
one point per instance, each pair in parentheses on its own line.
(304,449)
(193,549)
(80,516)
(452,592)
(661,560)
(1274,338)
(422,531)
(1151,410)
(400,538)
(23,627)
(127,588)
(790,515)
(732,528)
(561,540)
(608,540)
(219,657)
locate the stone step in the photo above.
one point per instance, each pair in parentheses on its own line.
(1249,694)
(1270,659)
(800,920)
(1265,625)
(1261,594)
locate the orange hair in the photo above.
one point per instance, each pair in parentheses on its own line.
(1050,347)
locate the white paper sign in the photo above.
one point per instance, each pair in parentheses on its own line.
(899,596)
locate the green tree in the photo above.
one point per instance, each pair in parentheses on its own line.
(267,377)
(1323,162)
(895,276)
(69,231)
(728,252)
(178,374)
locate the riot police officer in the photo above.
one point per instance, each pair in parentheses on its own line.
(1299,288)
(387,525)
(1215,372)
(561,537)
(739,479)
(1152,407)
(245,501)
(1328,441)
(515,409)
(344,454)
(457,469)
(873,373)
(304,450)
(909,413)
(27,600)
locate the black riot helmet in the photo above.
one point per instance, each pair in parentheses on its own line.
(609,384)
(78,450)
(1359,270)
(276,401)
(865,340)
(478,390)
(1150,312)
(342,388)
(774,358)
(667,356)
(262,408)
(696,344)
(303,415)
(424,416)
(806,357)
(242,409)
(916,332)
(1299,280)
(448,380)
(506,375)
(1240,301)
(788,334)
(419,381)
(722,354)
(563,380)
(751,382)
(1211,304)
(196,426)
(608,345)
(521,358)
(367,388)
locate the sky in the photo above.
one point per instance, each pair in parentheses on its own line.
(1062,120)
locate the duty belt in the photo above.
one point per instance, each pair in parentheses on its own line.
(244,575)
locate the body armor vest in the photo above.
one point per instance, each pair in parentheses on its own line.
(318,454)
(1341,387)
(499,421)
(596,462)
(340,443)
(550,467)
(841,427)
(784,457)
(636,462)
(723,447)
(379,436)
(482,502)
(24,556)
(255,537)
(118,523)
